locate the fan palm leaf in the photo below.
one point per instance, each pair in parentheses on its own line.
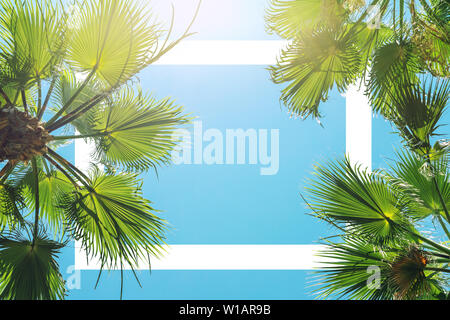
(412,176)
(347,271)
(15,75)
(136,131)
(288,18)
(416,108)
(313,64)
(113,221)
(364,203)
(11,204)
(53,185)
(391,61)
(113,39)
(28,269)
(35,33)
(66,87)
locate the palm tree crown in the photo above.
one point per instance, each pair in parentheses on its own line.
(66,73)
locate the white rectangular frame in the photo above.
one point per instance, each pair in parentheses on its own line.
(245,257)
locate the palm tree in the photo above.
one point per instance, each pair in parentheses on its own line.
(400,51)
(68,72)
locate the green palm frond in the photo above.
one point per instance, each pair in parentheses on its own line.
(441,149)
(433,51)
(113,39)
(11,204)
(35,32)
(391,61)
(288,18)
(435,18)
(365,204)
(136,131)
(369,39)
(113,221)
(15,74)
(413,177)
(418,43)
(312,65)
(28,268)
(66,87)
(359,270)
(53,185)
(407,274)
(348,268)
(416,108)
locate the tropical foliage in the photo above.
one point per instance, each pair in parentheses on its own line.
(69,72)
(333,43)
(399,51)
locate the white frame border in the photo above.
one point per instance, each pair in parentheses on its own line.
(245,257)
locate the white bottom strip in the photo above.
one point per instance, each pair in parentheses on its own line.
(225,257)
